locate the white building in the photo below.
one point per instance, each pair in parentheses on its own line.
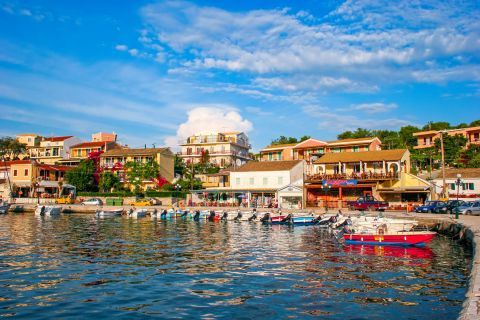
(53,149)
(264,184)
(469,184)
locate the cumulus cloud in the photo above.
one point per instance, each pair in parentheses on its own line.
(375,107)
(216,118)
(121,47)
(353,49)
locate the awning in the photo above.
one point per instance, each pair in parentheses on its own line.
(48,184)
(22,184)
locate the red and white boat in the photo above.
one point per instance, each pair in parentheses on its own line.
(413,238)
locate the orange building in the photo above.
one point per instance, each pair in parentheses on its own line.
(82,150)
(426,139)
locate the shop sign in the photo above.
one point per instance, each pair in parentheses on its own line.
(340,183)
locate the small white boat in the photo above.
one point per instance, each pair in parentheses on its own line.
(48,211)
(137,213)
(366,224)
(109,213)
(4,208)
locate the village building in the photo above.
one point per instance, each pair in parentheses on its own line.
(116,159)
(344,176)
(426,139)
(259,184)
(223,149)
(53,149)
(468,189)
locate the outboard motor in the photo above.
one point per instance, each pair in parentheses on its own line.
(266,217)
(211,217)
(287,218)
(42,210)
(196,217)
(130,211)
(184,214)
(239,216)
(224,216)
(163,215)
(254,216)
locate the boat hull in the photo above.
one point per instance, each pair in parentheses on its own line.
(400,239)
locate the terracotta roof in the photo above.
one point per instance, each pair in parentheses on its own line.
(133,152)
(90,144)
(465,172)
(310,143)
(421,133)
(27,134)
(54,167)
(9,163)
(387,155)
(278,146)
(55,139)
(358,140)
(268,166)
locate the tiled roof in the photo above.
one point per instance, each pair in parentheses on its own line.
(27,134)
(268,166)
(9,163)
(54,167)
(357,140)
(465,172)
(134,152)
(55,139)
(382,155)
(278,146)
(310,143)
(90,144)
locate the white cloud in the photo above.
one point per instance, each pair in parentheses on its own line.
(121,47)
(375,107)
(133,52)
(210,118)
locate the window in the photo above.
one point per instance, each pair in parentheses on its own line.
(452,186)
(471,186)
(26,173)
(15,173)
(270,156)
(280,180)
(356,168)
(55,152)
(252,181)
(355,149)
(265,181)
(237,181)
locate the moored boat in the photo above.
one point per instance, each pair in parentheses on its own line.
(48,211)
(137,213)
(416,238)
(4,208)
(109,213)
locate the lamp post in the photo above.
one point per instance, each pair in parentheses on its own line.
(458,182)
(176,188)
(325,188)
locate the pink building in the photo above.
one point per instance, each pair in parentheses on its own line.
(426,139)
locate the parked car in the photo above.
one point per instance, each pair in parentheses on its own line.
(452,205)
(368,203)
(142,203)
(432,206)
(93,202)
(65,200)
(471,208)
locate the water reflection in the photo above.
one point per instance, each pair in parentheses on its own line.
(127,268)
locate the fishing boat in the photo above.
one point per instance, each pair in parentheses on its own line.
(48,211)
(137,213)
(109,213)
(16,208)
(4,208)
(414,238)
(365,223)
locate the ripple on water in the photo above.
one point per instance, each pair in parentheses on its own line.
(124,268)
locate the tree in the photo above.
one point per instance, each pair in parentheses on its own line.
(452,145)
(406,135)
(441,125)
(82,176)
(304,138)
(11,148)
(137,172)
(475,123)
(179,166)
(108,181)
(359,133)
(284,140)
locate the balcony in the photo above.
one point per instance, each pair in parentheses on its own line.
(312,178)
(214,153)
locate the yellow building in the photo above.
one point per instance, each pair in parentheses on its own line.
(54,149)
(82,150)
(116,159)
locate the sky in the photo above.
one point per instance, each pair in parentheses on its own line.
(157,71)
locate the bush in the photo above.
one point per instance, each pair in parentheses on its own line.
(106,194)
(149,193)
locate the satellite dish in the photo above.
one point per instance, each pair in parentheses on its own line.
(238,162)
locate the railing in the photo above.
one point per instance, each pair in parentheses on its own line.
(355,176)
(199,153)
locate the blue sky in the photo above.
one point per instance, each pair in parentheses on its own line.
(156,71)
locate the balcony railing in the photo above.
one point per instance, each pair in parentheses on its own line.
(352,176)
(226,153)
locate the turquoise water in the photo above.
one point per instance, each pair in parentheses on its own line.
(79,266)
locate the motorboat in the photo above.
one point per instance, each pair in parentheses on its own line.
(4,208)
(109,213)
(48,211)
(137,213)
(365,223)
(414,238)
(17,208)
